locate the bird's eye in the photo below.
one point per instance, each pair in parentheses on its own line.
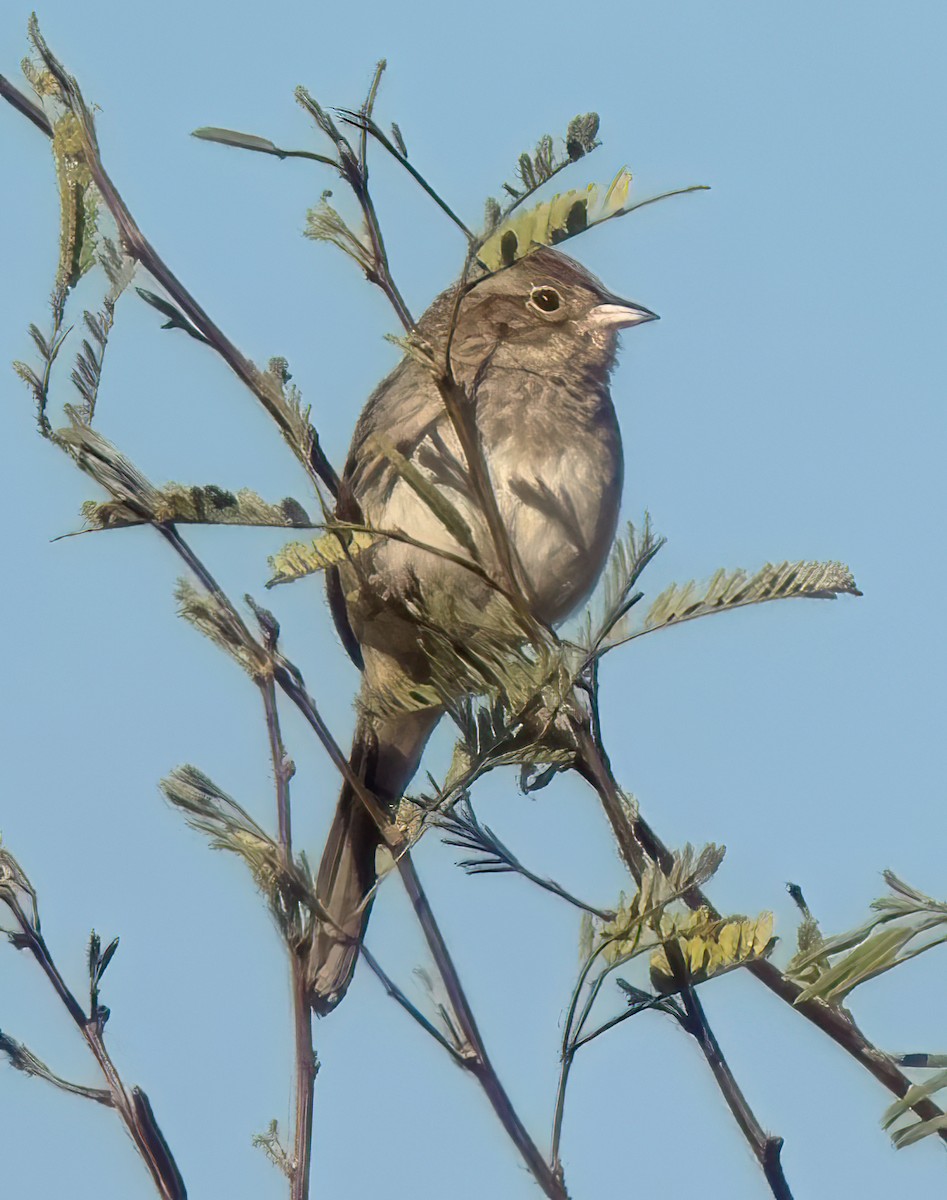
(546,299)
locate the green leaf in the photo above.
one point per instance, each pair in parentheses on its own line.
(208,504)
(917,1091)
(176,319)
(553,221)
(299,559)
(876,954)
(711,946)
(78,202)
(242,141)
(921,1129)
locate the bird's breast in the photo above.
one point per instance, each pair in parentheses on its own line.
(554,456)
(559,491)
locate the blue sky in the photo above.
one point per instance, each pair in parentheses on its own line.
(789,404)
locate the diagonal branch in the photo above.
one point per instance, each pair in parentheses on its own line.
(141,249)
(412,1010)
(636,838)
(365,123)
(766,1147)
(131,1104)
(25,105)
(307,1064)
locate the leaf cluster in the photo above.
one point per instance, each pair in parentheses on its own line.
(287,886)
(548,158)
(554,221)
(833,967)
(203,504)
(709,945)
(639,922)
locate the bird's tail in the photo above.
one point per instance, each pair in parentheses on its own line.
(385,755)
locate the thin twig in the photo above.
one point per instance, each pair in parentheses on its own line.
(461,409)
(354,170)
(368,126)
(477,1060)
(25,105)
(282,770)
(131,1104)
(141,249)
(636,838)
(570,1034)
(412,1010)
(766,1147)
(655,1002)
(306,1061)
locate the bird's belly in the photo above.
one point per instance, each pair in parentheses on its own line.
(560,509)
(562,521)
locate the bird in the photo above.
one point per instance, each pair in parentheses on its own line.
(533,348)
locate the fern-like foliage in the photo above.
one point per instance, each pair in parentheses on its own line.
(637,924)
(837,965)
(709,945)
(617,594)
(218,622)
(914,1131)
(21,1058)
(271,1145)
(205,504)
(288,888)
(325,224)
(296,560)
(550,157)
(553,221)
(728,590)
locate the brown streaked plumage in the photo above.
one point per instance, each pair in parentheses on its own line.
(537,343)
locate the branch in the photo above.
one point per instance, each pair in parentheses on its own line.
(354,170)
(412,1010)
(475,1056)
(571,1034)
(466,832)
(460,407)
(307,1064)
(476,1060)
(25,105)
(139,248)
(131,1104)
(368,126)
(635,837)
(765,1147)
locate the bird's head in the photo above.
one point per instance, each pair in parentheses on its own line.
(543,313)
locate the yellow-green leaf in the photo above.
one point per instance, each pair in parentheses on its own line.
(709,947)
(78,202)
(299,559)
(553,221)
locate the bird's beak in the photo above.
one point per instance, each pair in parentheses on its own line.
(620,315)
